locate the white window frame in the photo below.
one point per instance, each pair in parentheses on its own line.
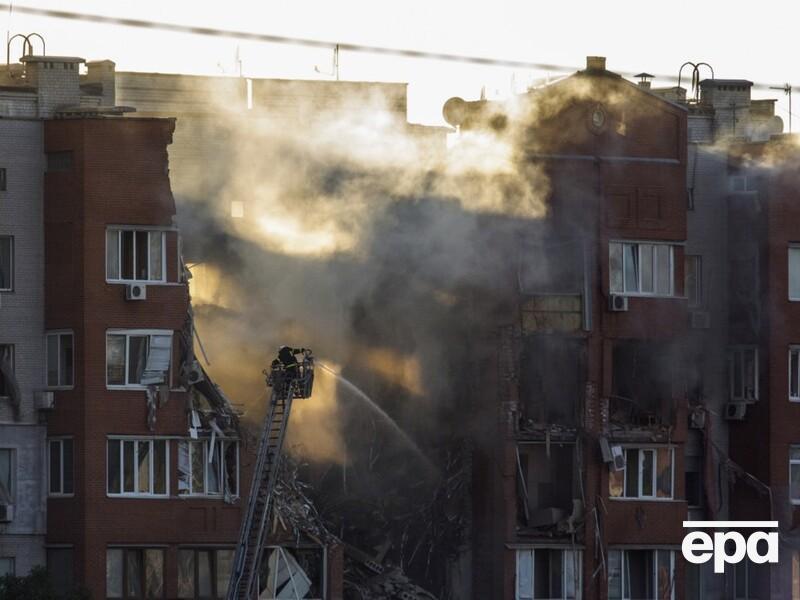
(640,495)
(219,443)
(566,554)
(738,353)
(58,333)
(60,442)
(793,249)
(794,349)
(625,593)
(118,229)
(10,238)
(151,467)
(639,244)
(128,333)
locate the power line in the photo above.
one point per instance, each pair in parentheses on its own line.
(309,43)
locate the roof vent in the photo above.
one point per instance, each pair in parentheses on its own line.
(644,80)
(595,63)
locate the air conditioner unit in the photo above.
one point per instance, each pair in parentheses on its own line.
(135,291)
(735,411)
(618,462)
(697,419)
(44,400)
(194,373)
(6,513)
(617,303)
(699,319)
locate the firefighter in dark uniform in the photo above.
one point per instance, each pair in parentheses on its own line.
(286,363)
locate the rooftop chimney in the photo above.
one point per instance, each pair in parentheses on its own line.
(595,63)
(644,80)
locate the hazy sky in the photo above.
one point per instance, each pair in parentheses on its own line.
(756,41)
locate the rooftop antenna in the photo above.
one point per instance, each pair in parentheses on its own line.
(787,89)
(335,71)
(27,47)
(695,76)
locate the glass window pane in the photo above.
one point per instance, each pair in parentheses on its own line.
(663,269)
(112,254)
(114,573)
(128,453)
(198,468)
(156,262)
(631,473)
(693,280)
(664,575)
(616,480)
(6,263)
(143,465)
(203,573)
(664,473)
(615,267)
(614,575)
(65,359)
(185,573)
(113,467)
(142,247)
(224,568)
(213,469)
(133,573)
(794,483)
(749,374)
(794,373)
(69,486)
(525,574)
(126,260)
(646,251)
(137,357)
(648,458)
(794,273)
(160,467)
(5,470)
(231,468)
(54,467)
(154,573)
(184,468)
(631,262)
(115,359)
(52,360)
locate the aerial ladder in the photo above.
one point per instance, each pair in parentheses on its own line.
(289,379)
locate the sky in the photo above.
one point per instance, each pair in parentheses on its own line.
(739,40)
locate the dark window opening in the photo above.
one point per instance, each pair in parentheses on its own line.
(2,179)
(546,484)
(643,374)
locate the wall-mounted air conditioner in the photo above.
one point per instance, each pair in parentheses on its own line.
(135,291)
(735,411)
(699,319)
(44,400)
(617,303)
(6,513)
(697,419)
(194,373)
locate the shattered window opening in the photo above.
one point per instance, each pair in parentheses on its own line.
(135,255)
(548,574)
(7,358)
(138,467)
(199,477)
(60,359)
(643,269)
(296,572)
(548,496)
(204,572)
(134,573)
(136,358)
(60,467)
(6,263)
(743,373)
(644,376)
(648,474)
(640,574)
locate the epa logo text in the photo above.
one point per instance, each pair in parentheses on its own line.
(730,546)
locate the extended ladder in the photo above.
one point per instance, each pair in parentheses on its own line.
(287,384)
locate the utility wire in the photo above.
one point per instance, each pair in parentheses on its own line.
(309,43)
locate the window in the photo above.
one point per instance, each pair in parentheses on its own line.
(137,357)
(794,373)
(743,183)
(794,474)
(548,573)
(6,369)
(6,263)
(6,475)
(60,359)
(647,474)
(134,573)
(641,269)
(641,574)
(743,373)
(59,161)
(693,286)
(794,273)
(61,571)
(694,481)
(7,566)
(206,469)
(795,575)
(745,581)
(204,573)
(60,467)
(294,573)
(137,467)
(135,255)
(3,179)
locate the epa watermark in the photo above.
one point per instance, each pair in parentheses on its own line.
(699,547)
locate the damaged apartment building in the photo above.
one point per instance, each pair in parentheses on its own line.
(649,374)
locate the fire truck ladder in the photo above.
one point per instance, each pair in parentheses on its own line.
(286,384)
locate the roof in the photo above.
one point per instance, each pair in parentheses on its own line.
(63,59)
(718,82)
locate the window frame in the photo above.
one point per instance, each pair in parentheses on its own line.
(577,554)
(59,333)
(639,244)
(190,442)
(128,333)
(625,593)
(12,261)
(697,259)
(794,349)
(796,248)
(13,362)
(739,351)
(13,562)
(793,462)
(136,229)
(60,440)
(214,571)
(142,573)
(12,475)
(151,467)
(654,477)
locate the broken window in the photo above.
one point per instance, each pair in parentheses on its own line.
(134,573)
(137,467)
(794,373)
(60,468)
(134,255)
(548,573)
(647,474)
(641,575)
(6,263)
(292,573)
(208,469)
(204,573)
(552,378)
(794,273)
(60,359)
(546,482)
(641,269)
(693,276)
(6,369)
(137,357)
(6,475)
(743,373)
(642,379)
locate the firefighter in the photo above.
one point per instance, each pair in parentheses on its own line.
(287,360)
